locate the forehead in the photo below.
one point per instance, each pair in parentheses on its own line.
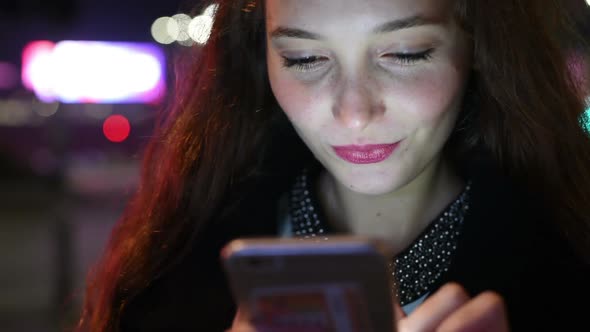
(338,14)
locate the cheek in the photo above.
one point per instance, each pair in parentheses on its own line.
(427,97)
(294,100)
(300,102)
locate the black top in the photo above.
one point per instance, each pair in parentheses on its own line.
(414,270)
(507,245)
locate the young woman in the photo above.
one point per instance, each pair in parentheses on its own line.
(451,128)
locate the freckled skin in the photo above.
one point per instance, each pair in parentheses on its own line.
(363,95)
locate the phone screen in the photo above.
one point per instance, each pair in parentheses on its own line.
(314,308)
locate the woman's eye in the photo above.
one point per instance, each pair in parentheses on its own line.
(410,58)
(305,64)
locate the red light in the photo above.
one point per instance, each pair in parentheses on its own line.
(116,128)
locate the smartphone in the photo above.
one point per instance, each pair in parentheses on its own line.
(335,284)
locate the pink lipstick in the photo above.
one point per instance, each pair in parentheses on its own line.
(365,154)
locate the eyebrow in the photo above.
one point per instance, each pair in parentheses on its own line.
(399,24)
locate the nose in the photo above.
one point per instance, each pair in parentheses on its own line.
(355,106)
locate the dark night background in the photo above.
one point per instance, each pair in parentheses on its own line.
(62,183)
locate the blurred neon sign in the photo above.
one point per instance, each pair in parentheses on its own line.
(94,72)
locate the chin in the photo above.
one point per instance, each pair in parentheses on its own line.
(373,189)
(373,183)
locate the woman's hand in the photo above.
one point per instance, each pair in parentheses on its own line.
(241,324)
(451,309)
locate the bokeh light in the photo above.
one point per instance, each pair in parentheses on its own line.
(116,128)
(200,28)
(183,21)
(95,72)
(212,9)
(165,30)
(38,69)
(45,109)
(585,117)
(183,29)
(189,42)
(15,113)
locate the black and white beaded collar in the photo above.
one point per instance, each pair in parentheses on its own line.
(419,267)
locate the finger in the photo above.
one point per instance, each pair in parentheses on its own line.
(241,328)
(429,315)
(399,312)
(485,313)
(241,323)
(239,317)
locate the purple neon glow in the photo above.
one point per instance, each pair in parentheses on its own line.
(94,72)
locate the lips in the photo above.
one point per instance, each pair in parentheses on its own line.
(365,154)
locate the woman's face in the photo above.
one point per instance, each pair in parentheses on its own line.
(373,87)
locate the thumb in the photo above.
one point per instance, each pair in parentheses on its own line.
(241,323)
(398,311)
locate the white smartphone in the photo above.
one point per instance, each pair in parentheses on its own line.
(342,283)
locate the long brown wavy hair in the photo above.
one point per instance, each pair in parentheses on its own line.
(523,108)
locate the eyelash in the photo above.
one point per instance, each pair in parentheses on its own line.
(411,58)
(309,63)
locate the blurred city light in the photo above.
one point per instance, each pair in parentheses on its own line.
(116,128)
(183,21)
(37,66)
(200,28)
(8,76)
(45,109)
(212,9)
(15,113)
(164,30)
(184,30)
(94,72)
(585,117)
